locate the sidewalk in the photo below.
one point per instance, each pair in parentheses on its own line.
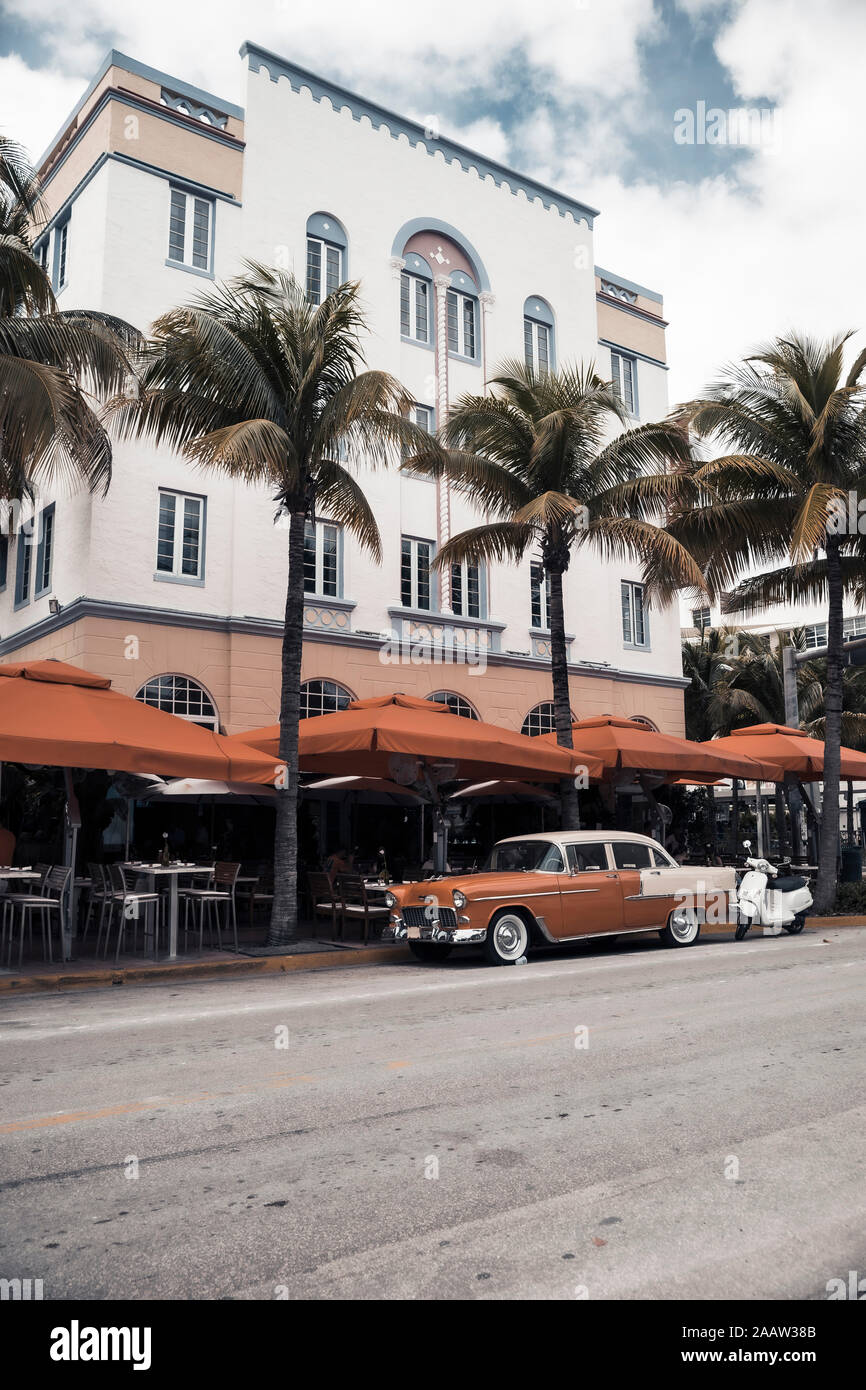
(308,953)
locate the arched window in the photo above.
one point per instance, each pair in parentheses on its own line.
(323,697)
(539,720)
(416,300)
(458,704)
(538,334)
(326,256)
(642,719)
(464,338)
(181,696)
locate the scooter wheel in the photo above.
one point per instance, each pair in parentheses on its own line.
(794,928)
(742,929)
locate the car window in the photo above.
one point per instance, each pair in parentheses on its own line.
(663,859)
(552,861)
(584,857)
(629,856)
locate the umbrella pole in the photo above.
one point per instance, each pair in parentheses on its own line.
(72,817)
(759,819)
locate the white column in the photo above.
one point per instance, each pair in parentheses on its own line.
(442,284)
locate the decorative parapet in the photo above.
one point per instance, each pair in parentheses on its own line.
(328,615)
(419,137)
(540,645)
(618,292)
(185,106)
(446,634)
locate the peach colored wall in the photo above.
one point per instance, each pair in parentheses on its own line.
(152,139)
(628,330)
(241,673)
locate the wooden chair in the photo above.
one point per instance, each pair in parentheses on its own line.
(220,893)
(358,906)
(324,900)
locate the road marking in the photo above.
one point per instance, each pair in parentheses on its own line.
(71,1117)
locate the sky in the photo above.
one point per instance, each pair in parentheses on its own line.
(748,229)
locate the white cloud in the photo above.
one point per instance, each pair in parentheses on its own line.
(739,256)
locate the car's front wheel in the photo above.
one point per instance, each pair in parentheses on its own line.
(683,928)
(507,938)
(430,951)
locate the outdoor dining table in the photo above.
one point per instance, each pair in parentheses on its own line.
(18,875)
(172,872)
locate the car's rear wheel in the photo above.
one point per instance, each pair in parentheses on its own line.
(683,928)
(430,951)
(507,938)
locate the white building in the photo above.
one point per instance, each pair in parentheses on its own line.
(174,583)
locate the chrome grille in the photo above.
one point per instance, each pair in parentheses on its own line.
(416,917)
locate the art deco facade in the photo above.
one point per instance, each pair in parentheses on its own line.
(174,583)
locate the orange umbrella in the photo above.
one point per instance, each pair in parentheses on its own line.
(787,751)
(402,737)
(626,745)
(63,716)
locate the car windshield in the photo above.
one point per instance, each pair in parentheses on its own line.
(525,856)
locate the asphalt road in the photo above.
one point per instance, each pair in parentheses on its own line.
(443,1132)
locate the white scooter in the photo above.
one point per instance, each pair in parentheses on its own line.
(781,906)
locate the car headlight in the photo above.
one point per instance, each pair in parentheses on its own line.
(390,900)
(458,898)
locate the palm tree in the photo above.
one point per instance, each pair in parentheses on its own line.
(709,662)
(252,380)
(52,363)
(794,424)
(536,456)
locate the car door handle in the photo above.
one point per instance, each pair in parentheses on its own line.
(610,874)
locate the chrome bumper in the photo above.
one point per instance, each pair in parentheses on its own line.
(396,930)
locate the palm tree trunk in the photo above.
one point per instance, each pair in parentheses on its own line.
(561,697)
(825,890)
(284,914)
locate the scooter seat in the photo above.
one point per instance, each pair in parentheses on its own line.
(787,884)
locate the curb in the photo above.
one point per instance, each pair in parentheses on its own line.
(275,965)
(142,975)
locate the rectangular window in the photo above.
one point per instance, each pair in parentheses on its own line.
(816,635)
(461,324)
(180,535)
(536,344)
(61,236)
(190,230)
(324,269)
(854,626)
(322,559)
(624,374)
(41,254)
(414,308)
(45,552)
(701,617)
(24,567)
(633,615)
(415,583)
(540,596)
(422,416)
(466,587)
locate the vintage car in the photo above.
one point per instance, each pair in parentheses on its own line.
(558,887)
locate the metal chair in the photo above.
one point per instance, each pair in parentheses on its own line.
(357,904)
(98,900)
(49,898)
(221,893)
(130,905)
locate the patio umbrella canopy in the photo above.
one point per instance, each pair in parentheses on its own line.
(375,790)
(788,752)
(370,738)
(508,793)
(206,789)
(62,716)
(625,745)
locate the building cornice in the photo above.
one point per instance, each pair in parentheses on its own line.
(80,608)
(632,352)
(380,117)
(630,309)
(624,284)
